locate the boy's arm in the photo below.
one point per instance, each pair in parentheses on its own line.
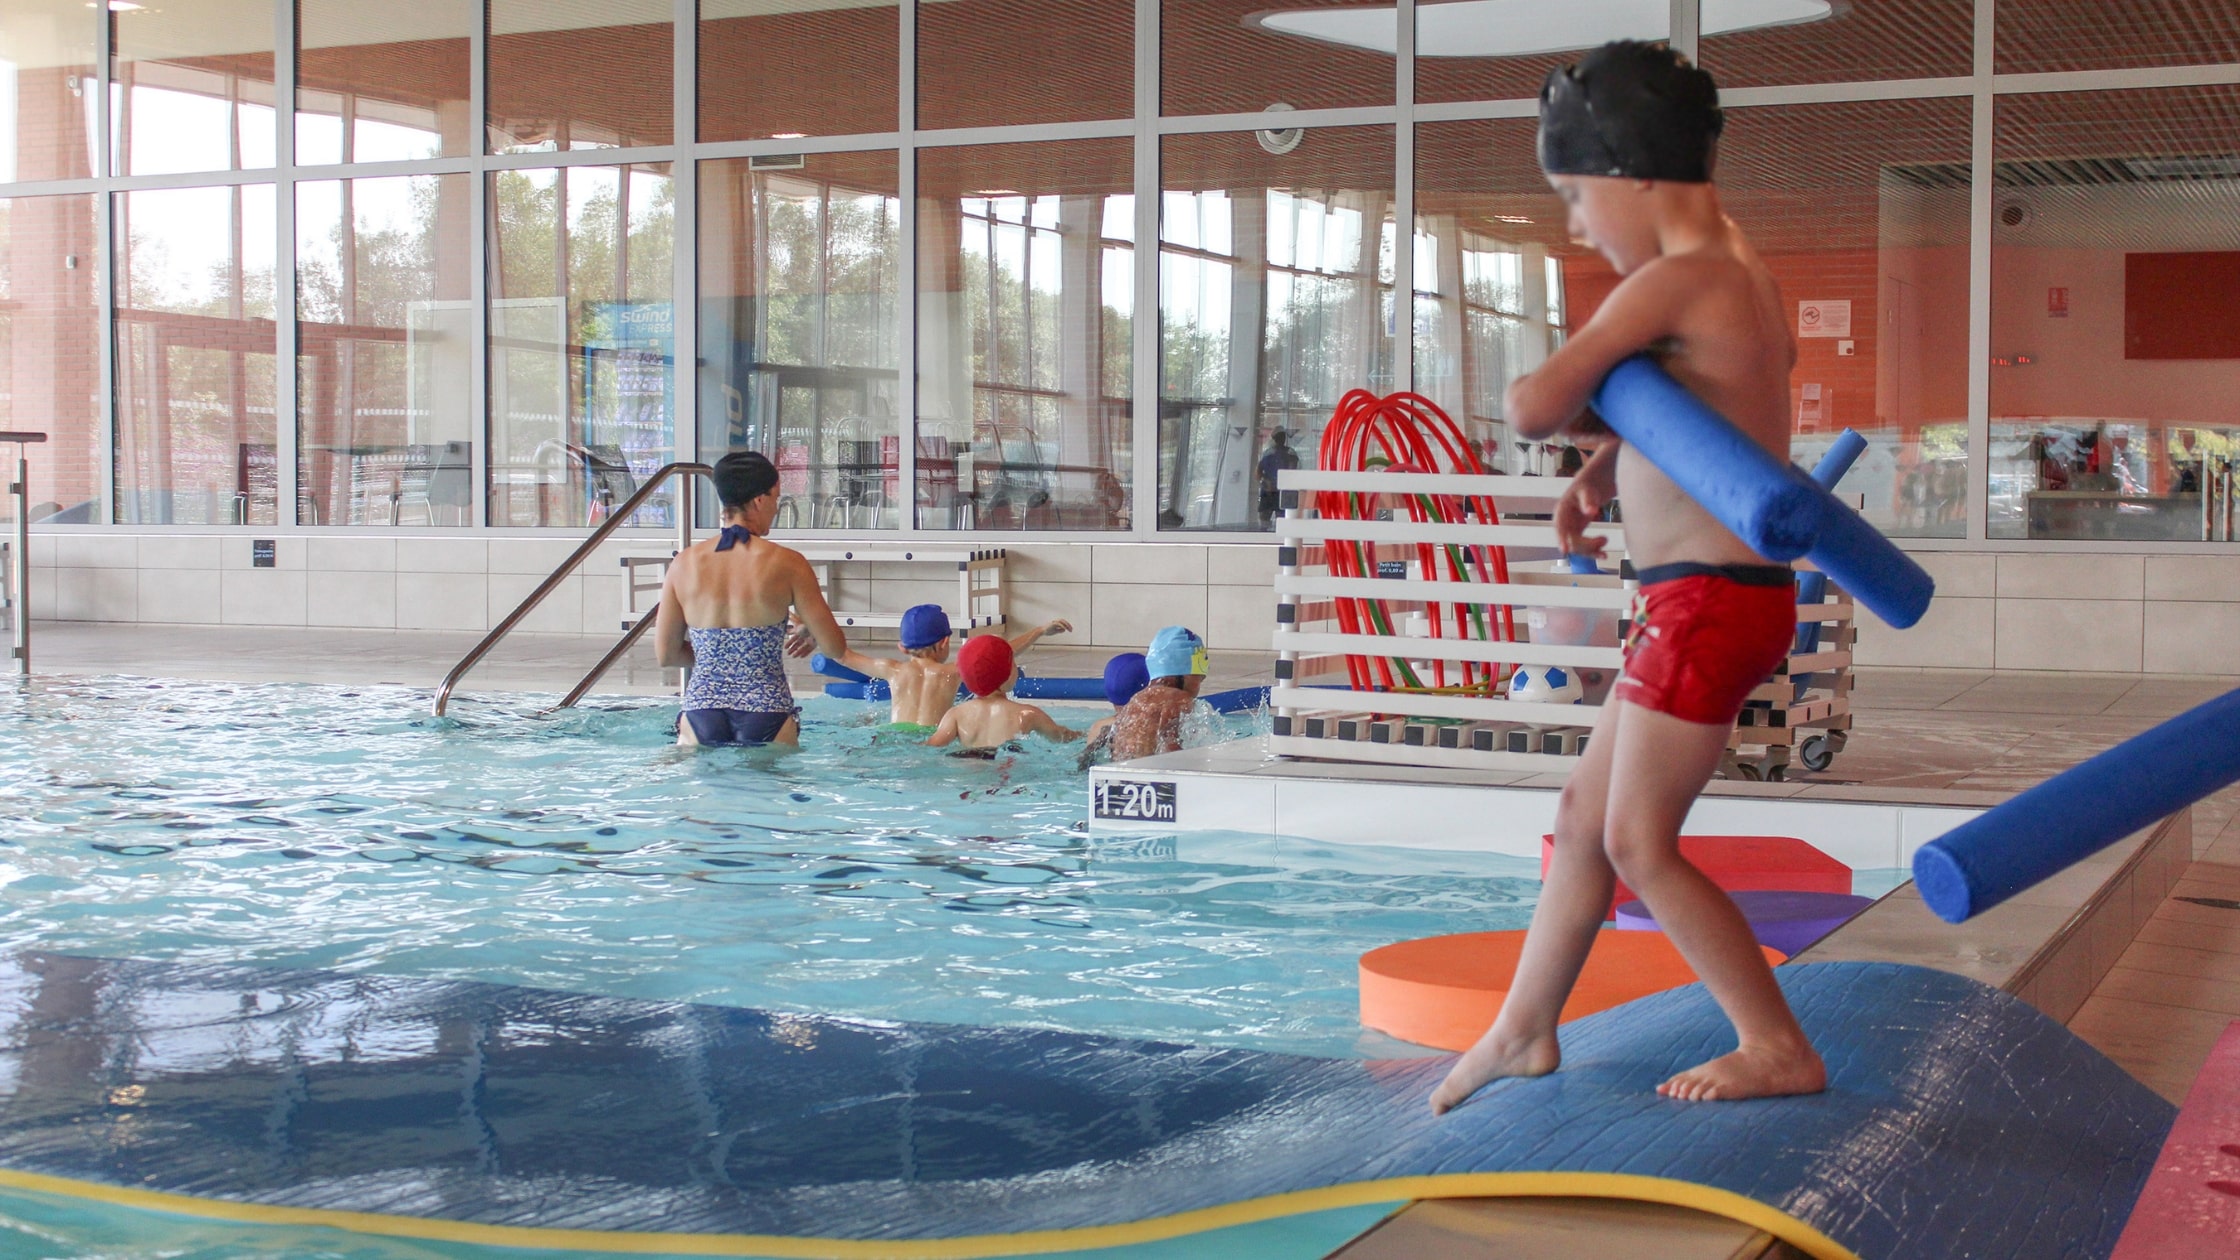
(876,666)
(1043,724)
(1644,308)
(1021,642)
(944,734)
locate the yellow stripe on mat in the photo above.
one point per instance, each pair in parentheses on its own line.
(1717,1202)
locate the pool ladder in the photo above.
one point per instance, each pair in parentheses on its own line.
(18,577)
(684,471)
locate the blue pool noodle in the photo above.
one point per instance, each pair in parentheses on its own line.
(2081,811)
(1058,688)
(1779,511)
(822,664)
(1848,447)
(1767,504)
(1812,585)
(1241,700)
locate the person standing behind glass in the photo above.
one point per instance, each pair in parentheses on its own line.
(1278,458)
(724,611)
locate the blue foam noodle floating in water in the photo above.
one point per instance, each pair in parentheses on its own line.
(1240,700)
(1957,1121)
(1058,688)
(2081,811)
(1769,505)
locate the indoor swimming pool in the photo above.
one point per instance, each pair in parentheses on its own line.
(865,875)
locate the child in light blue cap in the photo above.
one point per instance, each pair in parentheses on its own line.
(1152,722)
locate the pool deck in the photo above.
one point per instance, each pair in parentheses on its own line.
(2159,980)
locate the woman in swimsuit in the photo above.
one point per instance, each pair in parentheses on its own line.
(724,608)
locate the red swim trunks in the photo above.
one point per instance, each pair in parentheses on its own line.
(1705,636)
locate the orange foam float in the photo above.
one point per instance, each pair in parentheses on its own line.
(1444,991)
(1742,864)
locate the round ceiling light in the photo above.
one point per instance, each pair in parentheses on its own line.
(1516,28)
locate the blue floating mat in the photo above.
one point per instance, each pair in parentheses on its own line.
(1958,1121)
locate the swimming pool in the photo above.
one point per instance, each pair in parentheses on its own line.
(313,826)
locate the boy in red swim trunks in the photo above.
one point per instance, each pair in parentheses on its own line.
(1627,138)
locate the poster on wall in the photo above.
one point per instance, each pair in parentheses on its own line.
(1824,318)
(2057,303)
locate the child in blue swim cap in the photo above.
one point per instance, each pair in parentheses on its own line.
(1152,722)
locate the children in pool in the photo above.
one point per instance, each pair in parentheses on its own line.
(1627,138)
(924,683)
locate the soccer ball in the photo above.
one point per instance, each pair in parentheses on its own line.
(1546,684)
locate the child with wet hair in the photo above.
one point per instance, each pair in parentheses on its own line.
(992,718)
(1628,138)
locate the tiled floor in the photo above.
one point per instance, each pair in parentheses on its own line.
(2157,1013)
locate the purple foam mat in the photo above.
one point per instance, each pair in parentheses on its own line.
(1787,921)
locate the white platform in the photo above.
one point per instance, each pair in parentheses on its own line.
(1240,787)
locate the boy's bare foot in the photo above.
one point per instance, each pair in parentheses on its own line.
(1491,1060)
(1750,1072)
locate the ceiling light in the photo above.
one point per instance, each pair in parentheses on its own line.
(115,6)
(995,192)
(1511,218)
(1515,28)
(789,135)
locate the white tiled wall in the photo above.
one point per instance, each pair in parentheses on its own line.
(2098,613)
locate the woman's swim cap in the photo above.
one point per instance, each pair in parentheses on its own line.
(1175,653)
(744,476)
(985,663)
(923,626)
(1631,110)
(1124,676)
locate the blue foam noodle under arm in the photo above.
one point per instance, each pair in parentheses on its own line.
(1848,447)
(2081,811)
(1767,504)
(1870,566)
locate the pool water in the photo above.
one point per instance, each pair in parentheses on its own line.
(866,875)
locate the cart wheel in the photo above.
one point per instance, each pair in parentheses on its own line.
(1777,773)
(1817,752)
(1745,770)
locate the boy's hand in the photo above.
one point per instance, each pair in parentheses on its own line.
(1580,506)
(1060,626)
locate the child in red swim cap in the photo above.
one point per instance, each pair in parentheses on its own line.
(992,718)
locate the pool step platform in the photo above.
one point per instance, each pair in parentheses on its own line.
(1958,1121)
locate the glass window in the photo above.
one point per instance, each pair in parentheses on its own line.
(384,332)
(2039,35)
(580,343)
(1861,211)
(2115,344)
(50,349)
(196,438)
(1485,50)
(787,68)
(1026,285)
(192,87)
(800,308)
(382,84)
(1244,56)
(1275,299)
(971,73)
(47,90)
(1492,266)
(593,74)
(1823,41)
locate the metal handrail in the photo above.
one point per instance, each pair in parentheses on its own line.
(628,640)
(612,523)
(19,563)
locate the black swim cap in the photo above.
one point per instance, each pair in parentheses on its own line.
(1633,110)
(744,476)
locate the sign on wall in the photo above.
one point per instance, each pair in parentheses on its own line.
(1827,318)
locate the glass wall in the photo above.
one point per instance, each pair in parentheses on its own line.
(1860,209)
(384,349)
(801,330)
(917,283)
(192,87)
(2115,343)
(1026,288)
(794,68)
(197,442)
(581,342)
(383,85)
(50,348)
(1275,298)
(592,74)
(48,93)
